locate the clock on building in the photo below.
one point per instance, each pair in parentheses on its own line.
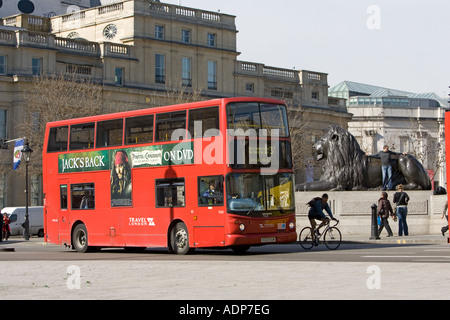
(110,31)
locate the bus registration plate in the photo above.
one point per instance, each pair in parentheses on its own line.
(268,240)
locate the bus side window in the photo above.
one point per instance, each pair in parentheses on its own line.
(210,191)
(57,139)
(208,118)
(83,196)
(170,193)
(167,123)
(82,136)
(109,133)
(63,196)
(139,130)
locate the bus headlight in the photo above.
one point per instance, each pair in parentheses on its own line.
(291,225)
(242,227)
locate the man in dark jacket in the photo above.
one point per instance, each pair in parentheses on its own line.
(384,210)
(386,166)
(316,213)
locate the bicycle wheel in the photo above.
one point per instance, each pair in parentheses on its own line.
(332,238)
(306,239)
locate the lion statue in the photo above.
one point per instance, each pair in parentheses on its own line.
(347,167)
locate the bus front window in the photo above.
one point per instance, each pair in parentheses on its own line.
(247,118)
(252,194)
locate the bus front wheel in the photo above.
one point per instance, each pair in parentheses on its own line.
(179,239)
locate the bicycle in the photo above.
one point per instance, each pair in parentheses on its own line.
(332,237)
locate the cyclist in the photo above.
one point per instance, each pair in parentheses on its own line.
(316,213)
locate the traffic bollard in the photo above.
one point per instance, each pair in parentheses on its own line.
(374,235)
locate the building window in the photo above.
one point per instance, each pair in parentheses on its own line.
(36,66)
(186,36)
(3,65)
(212,37)
(159,32)
(119,76)
(3,124)
(315,95)
(160,66)
(212,75)
(250,87)
(187,71)
(110,32)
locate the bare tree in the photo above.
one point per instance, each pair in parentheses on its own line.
(57,97)
(175,93)
(299,122)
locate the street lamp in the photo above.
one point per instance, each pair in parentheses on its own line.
(26,154)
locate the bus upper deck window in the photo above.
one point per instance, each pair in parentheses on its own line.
(82,136)
(109,133)
(139,130)
(58,138)
(204,123)
(169,123)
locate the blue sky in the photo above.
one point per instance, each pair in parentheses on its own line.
(400,44)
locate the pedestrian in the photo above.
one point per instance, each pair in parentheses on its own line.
(384,211)
(5,229)
(386,166)
(401,200)
(445,215)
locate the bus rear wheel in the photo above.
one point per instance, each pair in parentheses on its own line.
(179,239)
(80,239)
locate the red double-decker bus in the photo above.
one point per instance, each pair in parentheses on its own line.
(208,174)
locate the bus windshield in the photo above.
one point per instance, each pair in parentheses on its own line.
(255,115)
(252,194)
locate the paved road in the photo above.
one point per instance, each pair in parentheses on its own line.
(356,271)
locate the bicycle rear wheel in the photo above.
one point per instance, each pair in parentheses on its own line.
(306,238)
(332,238)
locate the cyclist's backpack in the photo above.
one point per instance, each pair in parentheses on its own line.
(313,201)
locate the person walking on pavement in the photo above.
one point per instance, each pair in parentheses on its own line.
(401,200)
(5,229)
(384,211)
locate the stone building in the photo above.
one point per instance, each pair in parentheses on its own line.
(405,121)
(138,49)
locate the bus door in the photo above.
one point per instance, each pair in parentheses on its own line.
(210,229)
(58,214)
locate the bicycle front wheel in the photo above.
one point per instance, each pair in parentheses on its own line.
(332,238)
(306,238)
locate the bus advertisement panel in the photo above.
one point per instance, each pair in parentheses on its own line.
(209,174)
